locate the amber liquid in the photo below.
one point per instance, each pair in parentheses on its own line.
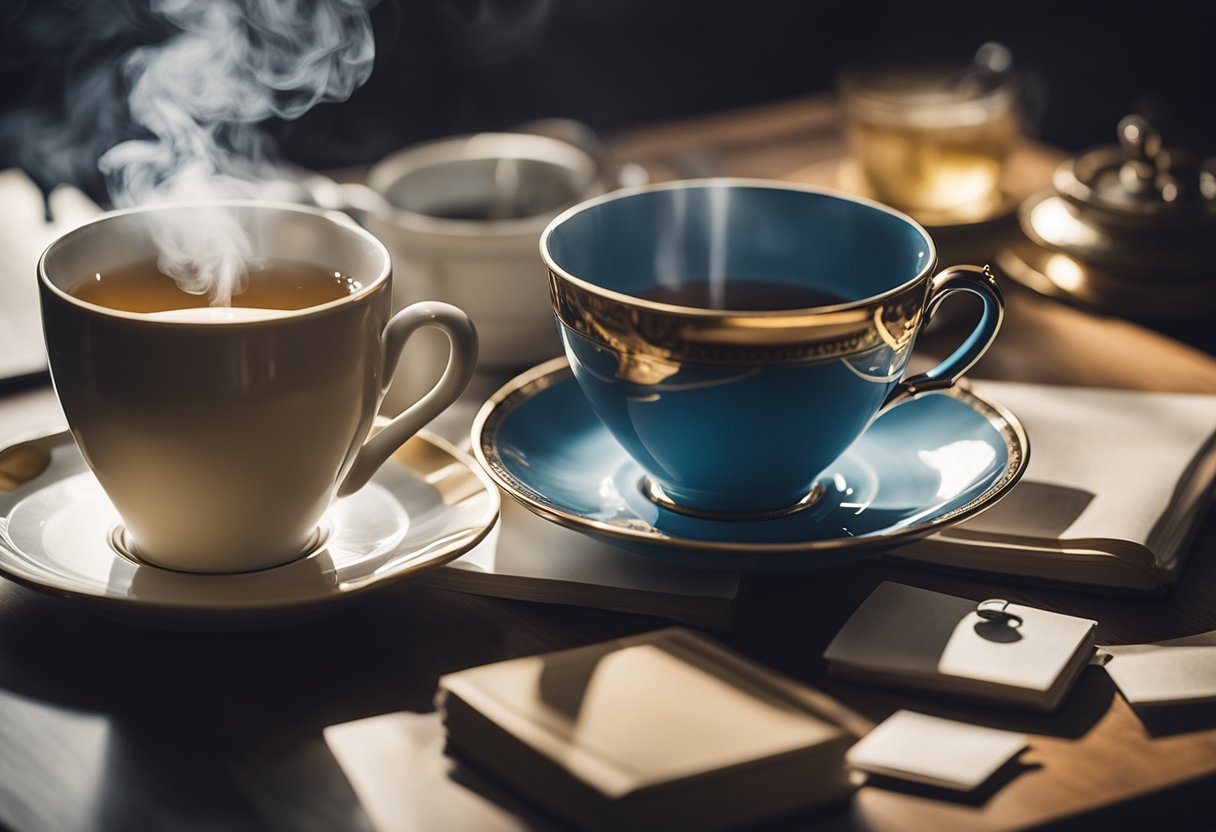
(743,295)
(932,138)
(933,165)
(272,284)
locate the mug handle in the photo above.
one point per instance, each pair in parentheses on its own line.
(980,282)
(461,362)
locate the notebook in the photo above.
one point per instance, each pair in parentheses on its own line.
(903,636)
(1115,489)
(666,730)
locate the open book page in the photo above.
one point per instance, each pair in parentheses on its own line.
(24,233)
(1104,464)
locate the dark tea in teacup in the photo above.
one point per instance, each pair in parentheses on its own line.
(744,295)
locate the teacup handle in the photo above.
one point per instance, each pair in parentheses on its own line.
(978,281)
(461,362)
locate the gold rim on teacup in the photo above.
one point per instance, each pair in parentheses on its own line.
(655,339)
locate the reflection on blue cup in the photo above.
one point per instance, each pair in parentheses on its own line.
(736,336)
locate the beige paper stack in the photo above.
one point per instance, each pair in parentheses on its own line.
(662,731)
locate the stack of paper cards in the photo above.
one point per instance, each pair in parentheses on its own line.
(1175,672)
(908,637)
(936,752)
(663,731)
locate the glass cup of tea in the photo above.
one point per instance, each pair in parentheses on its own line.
(932,139)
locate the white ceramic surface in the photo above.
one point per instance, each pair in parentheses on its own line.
(260,422)
(428,505)
(491,268)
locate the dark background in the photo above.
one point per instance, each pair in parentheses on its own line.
(455,66)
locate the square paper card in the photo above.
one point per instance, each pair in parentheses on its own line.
(904,636)
(1182,670)
(938,752)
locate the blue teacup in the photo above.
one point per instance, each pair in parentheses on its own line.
(736,336)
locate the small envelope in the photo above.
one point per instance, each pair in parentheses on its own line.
(935,751)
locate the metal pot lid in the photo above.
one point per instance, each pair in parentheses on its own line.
(1141,178)
(1139,207)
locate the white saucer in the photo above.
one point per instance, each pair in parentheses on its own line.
(428,505)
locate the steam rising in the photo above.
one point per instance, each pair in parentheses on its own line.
(201,94)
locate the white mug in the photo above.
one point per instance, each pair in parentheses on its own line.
(462,217)
(222,443)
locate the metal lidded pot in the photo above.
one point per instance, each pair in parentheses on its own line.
(1124,229)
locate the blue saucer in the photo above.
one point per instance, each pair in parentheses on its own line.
(926,464)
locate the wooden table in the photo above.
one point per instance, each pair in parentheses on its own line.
(105,726)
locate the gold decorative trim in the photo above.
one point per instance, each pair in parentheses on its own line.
(654,339)
(21,463)
(641,332)
(498,407)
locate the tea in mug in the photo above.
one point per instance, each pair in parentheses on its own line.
(272,284)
